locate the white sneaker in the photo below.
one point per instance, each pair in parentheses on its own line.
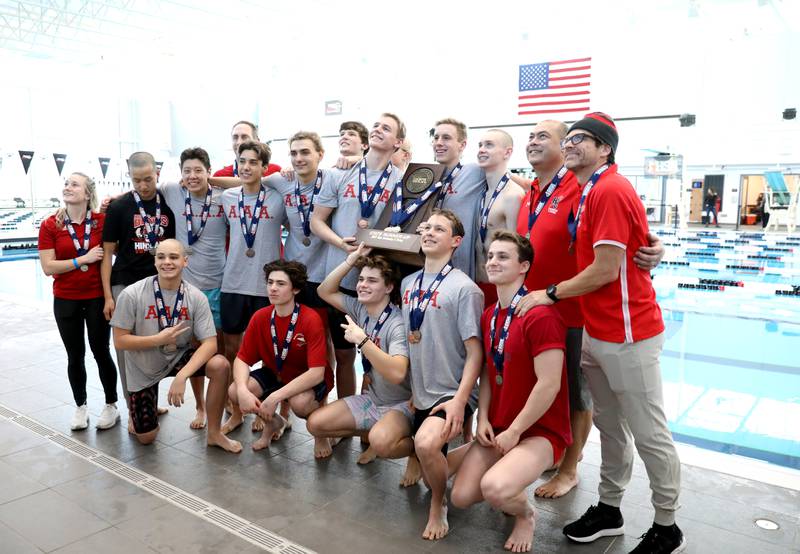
(108,417)
(80,420)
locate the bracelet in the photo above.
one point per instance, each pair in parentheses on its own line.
(75,263)
(362,343)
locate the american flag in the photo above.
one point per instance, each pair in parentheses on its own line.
(555,87)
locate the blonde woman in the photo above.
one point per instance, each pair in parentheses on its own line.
(70,249)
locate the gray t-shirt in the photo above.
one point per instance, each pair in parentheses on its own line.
(392,340)
(314,255)
(463,197)
(207,259)
(136,312)
(245,275)
(341,193)
(453,316)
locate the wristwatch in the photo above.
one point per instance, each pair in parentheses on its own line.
(551,293)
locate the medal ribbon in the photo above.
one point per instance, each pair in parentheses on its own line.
(368,202)
(151,230)
(533,214)
(498,353)
(387,311)
(187,211)
(448,180)
(400,215)
(419,305)
(235,168)
(87,233)
(174,316)
(249,231)
(305,213)
(287,341)
(574,221)
(486,207)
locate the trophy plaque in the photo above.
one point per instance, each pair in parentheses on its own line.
(404,246)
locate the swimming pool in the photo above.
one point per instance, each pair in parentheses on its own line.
(731,361)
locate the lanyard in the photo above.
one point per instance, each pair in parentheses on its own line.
(167,320)
(287,341)
(249,231)
(448,180)
(498,353)
(573,222)
(369,201)
(235,168)
(486,207)
(305,213)
(87,233)
(387,311)
(151,230)
(533,214)
(419,305)
(187,211)
(400,215)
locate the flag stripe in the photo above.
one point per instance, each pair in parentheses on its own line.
(576,109)
(579,68)
(557,95)
(551,103)
(571,61)
(567,77)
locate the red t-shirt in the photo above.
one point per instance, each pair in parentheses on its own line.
(538,330)
(308,347)
(77,284)
(550,238)
(624,310)
(227,171)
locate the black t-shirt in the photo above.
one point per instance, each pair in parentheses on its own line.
(124,226)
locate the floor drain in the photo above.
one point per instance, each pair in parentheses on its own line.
(767,524)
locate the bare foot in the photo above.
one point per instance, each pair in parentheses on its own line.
(322,447)
(274,427)
(559,485)
(199,421)
(413,472)
(233,423)
(437,526)
(367,456)
(258,425)
(130,427)
(224,442)
(521,537)
(162,411)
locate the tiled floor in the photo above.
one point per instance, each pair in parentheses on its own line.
(52,500)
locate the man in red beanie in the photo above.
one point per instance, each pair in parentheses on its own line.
(622,342)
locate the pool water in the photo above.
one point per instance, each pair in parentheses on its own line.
(731,360)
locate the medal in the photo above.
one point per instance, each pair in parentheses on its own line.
(283,351)
(151,251)
(420,301)
(486,207)
(305,213)
(401,215)
(249,231)
(369,200)
(498,353)
(574,222)
(533,214)
(187,212)
(373,335)
(168,320)
(84,267)
(152,230)
(188,250)
(81,249)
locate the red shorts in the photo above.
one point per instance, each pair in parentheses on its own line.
(556,442)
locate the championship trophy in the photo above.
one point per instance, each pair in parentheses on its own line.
(410,204)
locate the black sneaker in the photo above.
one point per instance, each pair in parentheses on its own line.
(598,521)
(661,539)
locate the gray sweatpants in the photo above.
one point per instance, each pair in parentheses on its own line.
(625,381)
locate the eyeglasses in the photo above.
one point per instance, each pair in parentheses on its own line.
(577,139)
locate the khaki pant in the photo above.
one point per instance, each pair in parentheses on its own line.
(625,381)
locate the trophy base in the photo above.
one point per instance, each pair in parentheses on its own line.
(403,248)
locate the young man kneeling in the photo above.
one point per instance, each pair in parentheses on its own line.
(523,405)
(375,326)
(289,339)
(154,323)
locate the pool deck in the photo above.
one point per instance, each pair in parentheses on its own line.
(99,491)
